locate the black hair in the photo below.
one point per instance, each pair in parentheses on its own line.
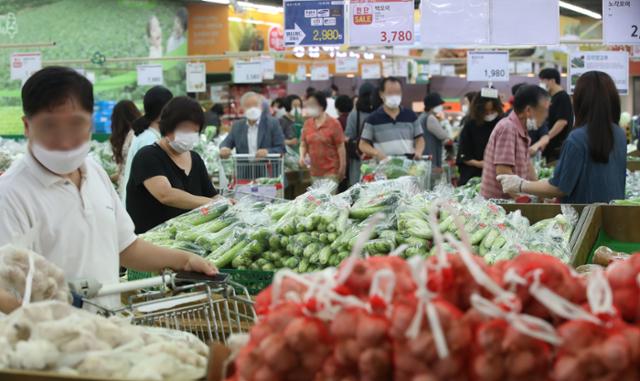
(278,101)
(309,91)
(122,117)
(365,97)
(344,103)
(516,87)
(178,110)
(384,82)
(470,96)
(529,95)
(334,88)
(288,102)
(183,15)
(320,98)
(217,109)
(53,86)
(598,109)
(154,101)
(477,108)
(550,73)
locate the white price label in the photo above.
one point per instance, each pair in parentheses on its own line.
(435,69)
(370,71)
(25,64)
(219,94)
(301,72)
(621,19)
(616,64)
(247,72)
(268,67)
(524,67)
(150,75)
(448,70)
(319,72)
(196,77)
(379,22)
(401,68)
(346,65)
(488,66)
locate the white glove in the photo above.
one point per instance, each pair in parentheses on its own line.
(511,184)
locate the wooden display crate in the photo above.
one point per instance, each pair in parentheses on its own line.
(620,223)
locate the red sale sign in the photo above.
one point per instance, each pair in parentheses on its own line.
(377,22)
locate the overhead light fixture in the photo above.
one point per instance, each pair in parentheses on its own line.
(581,10)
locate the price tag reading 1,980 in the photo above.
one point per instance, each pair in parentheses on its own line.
(488,66)
(621,19)
(247,72)
(150,75)
(380,22)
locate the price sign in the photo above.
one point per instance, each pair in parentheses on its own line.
(435,69)
(401,68)
(616,64)
(247,72)
(313,22)
(621,19)
(448,70)
(319,72)
(196,77)
(268,67)
(387,68)
(25,64)
(301,72)
(488,66)
(379,22)
(370,71)
(346,65)
(150,75)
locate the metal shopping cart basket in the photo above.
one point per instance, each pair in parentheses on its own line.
(398,166)
(212,308)
(262,178)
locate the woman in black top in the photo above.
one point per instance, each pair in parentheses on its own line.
(484,115)
(167,178)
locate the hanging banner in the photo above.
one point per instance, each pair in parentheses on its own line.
(301,72)
(616,64)
(247,72)
(370,71)
(320,72)
(25,64)
(150,75)
(346,65)
(196,77)
(379,22)
(313,22)
(621,20)
(488,66)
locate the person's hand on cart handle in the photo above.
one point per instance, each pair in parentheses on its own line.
(225,152)
(417,156)
(511,184)
(261,153)
(198,264)
(380,156)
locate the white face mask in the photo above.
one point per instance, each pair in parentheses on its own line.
(280,112)
(465,109)
(532,124)
(392,101)
(438,109)
(61,162)
(184,141)
(490,117)
(313,112)
(253,113)
(296,111)
(543,86)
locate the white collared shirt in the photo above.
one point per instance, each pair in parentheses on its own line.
(81,231)
(252,138)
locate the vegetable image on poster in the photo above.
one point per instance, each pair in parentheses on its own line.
(312,23)
(377,22)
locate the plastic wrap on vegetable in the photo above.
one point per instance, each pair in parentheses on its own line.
(10,151)
(291,160)
(101,152)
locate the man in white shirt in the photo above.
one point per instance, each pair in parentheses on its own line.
(63,201)
(258,134)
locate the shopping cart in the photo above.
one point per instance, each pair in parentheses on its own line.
(261,178)
(212,308)
(398,166)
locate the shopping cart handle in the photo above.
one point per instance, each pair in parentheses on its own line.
(249,156)
(194,277)
(88,288)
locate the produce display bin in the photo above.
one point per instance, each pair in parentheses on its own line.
(254,280)
(23,375)
(614,226)
(538,212)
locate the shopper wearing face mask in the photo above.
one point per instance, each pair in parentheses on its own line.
(507,152)
(392,130)
(61,204)
(593,163)
(485,114)
(560,120)
(167,177)
(291,121)
(257,134)
(322,146)
(465,106)
(434,133)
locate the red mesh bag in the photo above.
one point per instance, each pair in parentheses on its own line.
(623,278)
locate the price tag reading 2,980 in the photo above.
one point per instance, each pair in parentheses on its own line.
(488,66)
(379,22)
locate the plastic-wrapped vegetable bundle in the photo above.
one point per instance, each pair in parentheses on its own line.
(102,154)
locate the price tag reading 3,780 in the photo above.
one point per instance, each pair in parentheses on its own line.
(381,22)
(488,66)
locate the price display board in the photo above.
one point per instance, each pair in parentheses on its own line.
(379,22)
(346,65)
(370,71)
(196,77)
(313,22)
(25,64)
(247,72)
(616,64)
(150,75)
(319,72)
(301,72)
(488,66)
(621,19)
